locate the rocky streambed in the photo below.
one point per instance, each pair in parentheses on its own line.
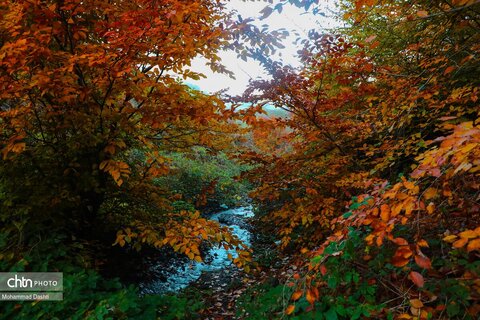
(178,272)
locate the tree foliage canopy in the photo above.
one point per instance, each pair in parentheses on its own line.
(91,104)
(371,180)
(384,138)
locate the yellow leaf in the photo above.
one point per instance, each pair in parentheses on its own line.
(430,208)
(103,164)
(195,250)
(416,303)
(450,238)
(422,243)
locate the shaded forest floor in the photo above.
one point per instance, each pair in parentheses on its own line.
(232,293)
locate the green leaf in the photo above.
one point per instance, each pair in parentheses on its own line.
(331,314)
(347,214)
(332,282)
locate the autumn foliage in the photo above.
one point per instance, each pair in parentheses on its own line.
(380,187)
(371,180)
(91,105)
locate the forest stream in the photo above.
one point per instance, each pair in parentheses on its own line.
(177,276)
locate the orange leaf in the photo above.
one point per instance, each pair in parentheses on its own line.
(473,245)
(422,243)
(477,231)
(448,70)
(400,261)
(290,309)
(416,303)
(385,212)
(409,185)
(400,242)
(430,208)
(468,234)
(430,193)
(423,262)
(310,296)
(417,278)
(404,251)
(422,14)
(460,243)
(296,295)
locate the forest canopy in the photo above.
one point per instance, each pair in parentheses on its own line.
(367,179)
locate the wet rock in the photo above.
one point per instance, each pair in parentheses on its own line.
(177,272)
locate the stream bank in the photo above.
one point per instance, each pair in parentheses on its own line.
(176,272)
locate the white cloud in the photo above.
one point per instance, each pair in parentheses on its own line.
(295,20)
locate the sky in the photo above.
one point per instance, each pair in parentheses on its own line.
(293,19)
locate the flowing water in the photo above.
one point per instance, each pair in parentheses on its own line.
(216,259)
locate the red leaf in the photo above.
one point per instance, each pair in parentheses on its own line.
(417,278)
(423,262)
(400,242)
(448,70)
(323,270)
